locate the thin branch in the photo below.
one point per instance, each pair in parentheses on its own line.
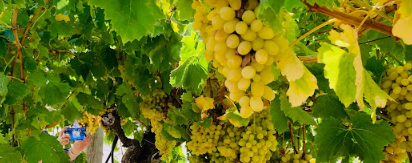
(374,40)
(31,23)
(313,30)
(292,138)
(308,59)
(367,17)
(394,58)
(16,37)
(12,113)
(304,141)
(409,156)
(352,20)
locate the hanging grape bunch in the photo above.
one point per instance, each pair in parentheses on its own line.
(241,48)
(396,82)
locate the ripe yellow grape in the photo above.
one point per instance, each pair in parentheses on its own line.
(268,75)
(246,111)
(220,47)
(266,33)
(208,55)
(230,52)
(268,93)
(257,88)
(197,25)
(210,15)
(261,56)
(397,90)
(387,84)
(244,47)
(271,47)
(248,72)
(393,75)
(218,22)
(405,82)
(210,46)
(243,84)
(408,106)
(235,96)
(230,26)
(258,67)
(257,44)
(407,66)
(235,4)
(256,78)
(249,35)
(227,13)
(251,4)
(232,41)
(248,17)
(404,74)
(241,27)
(234,61)
(399,69)
(198,16)
(221,35)
(401,118)
(256,103)
(244,101)
(235,74)
(256,25)
(270,61)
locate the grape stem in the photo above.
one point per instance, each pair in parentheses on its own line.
(303,141)
(366,17)
(313,30)
(292,138)
(409,156)
(12,113)
(394,58)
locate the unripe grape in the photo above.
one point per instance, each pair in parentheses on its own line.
(241,27)
(246,111)
(248,72)
(257,44)
(232,41)
(261,56)
(399,69)
(397,90)
(251,4)
(405,82)
(235,74)
(256,78)
(408,97)
(403,91)
(248,16)
(408,106)
(244,47)
(256,25)
(230,26)
(258,67)
(387,84)
(227,13)
(404,74)
(268,93)
(401,118)
(407,66)
(257,88)
(234,61)
(243,84)
(235,4)
(271,47)
(266,33)
(249,35)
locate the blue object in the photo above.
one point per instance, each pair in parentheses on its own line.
(76,133)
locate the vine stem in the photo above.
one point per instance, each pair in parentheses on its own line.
(409,156)
(12,125)
(352,20)
(292,138)
(304,141)
(313,30)
(394,58)
(366,17)
(18,45)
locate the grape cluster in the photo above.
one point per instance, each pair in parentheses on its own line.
(226,143)
(397,83)
(152,109)
(291,157)
(241,47)
(90,122)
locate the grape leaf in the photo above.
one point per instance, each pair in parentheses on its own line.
(268,14)
(232,115)
(130,19)
(16,91)
(326,106)
(46,149)
(55,91)
(70,112)
(275,5)
(300,89)
(9,155)
(279,120)
(407,51)
(4,81)
(327,3)
(128,98)
(340,72)
(190,75)
(184,9)
(361,138)
(376,67)
(289,64)
(296,113)
(36,78)
(3,50)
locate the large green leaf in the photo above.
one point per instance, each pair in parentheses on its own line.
(9,155)
(361,138)
(4,81)
(131,19)
(279,120)
(16,91)
(55,91)
(326,106)
(184,9)
(128,98)
(46,149)
(340,71)
(296,113)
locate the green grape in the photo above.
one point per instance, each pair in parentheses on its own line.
(248,17)
(241,27)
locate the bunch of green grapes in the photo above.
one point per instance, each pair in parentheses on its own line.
(394,153)
(197,159)
(204,140)
(90,122)
(241,48)
(397,83)
(259,139)
(165,146)
(292,157)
